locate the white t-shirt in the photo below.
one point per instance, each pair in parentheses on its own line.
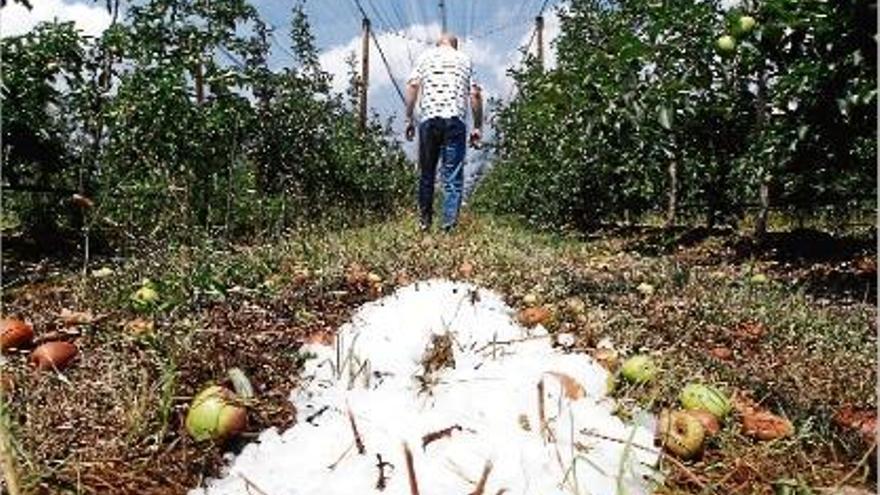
(446,76)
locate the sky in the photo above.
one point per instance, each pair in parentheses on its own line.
(493,33)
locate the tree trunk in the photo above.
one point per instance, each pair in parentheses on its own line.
(761,224)
(764,191)
(672,205)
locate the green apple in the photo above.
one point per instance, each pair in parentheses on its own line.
(725,44)
(215,415)
(705,398)
(681,433)
(639,369)
(746,23)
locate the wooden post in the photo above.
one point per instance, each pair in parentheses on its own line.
(365,74)
(539,29)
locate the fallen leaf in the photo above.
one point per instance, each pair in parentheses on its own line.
(321,337)
(721,352)
(356,275)
(863,421)
(572,389)
(466,269)
(750,331)
(140,326)
(73,318)
(606,357)
(765,425)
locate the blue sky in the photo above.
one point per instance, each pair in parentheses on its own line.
(493,31)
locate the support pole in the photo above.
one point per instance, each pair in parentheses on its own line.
(443,15)
(365,74)
(539,29)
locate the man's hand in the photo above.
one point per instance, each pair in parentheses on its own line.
(410,131)
(476,136)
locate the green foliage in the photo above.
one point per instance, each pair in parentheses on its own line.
(173,119)
(641,96)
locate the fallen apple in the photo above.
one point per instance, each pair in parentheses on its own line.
(15,333)
(707,419)
(681,433)
(146,296)
(701,397)
(530,317)
(639,369)
(215,414)
(57,355)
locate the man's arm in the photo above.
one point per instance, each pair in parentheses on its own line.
(412,95)
(477,110)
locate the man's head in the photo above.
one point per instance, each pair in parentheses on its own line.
(448,39)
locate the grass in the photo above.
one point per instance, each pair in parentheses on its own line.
(115,418)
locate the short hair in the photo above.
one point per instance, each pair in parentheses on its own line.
(448,39)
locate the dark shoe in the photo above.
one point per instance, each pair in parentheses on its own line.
(447,229)
(424,226)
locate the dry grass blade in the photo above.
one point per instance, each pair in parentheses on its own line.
(411,471)
(689,474)
(358,441)
(251,485)
(481,485)
(437,435)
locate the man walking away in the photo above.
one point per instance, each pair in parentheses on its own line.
(443,78)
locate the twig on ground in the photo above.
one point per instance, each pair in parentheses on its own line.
(357,435)
(618,440)
(546,434)
(411,471)
(854,470)
(250,484)
(481,485)
(332,467)
(383,479)
(437,435)
(317,413)
(689,474)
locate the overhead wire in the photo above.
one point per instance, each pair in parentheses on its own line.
(388,69)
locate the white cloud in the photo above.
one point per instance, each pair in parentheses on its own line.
(90,18)
(400,49)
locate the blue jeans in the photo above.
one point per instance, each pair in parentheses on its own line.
(445,140)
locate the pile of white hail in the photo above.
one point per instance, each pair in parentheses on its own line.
(437,390)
